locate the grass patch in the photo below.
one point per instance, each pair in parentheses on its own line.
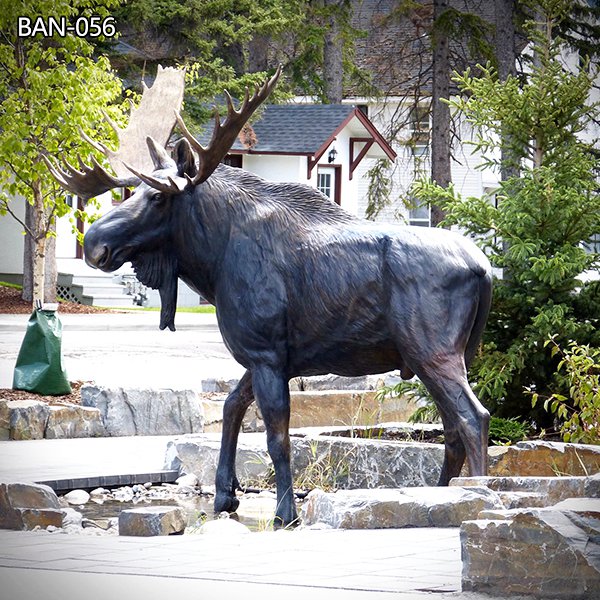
(14,286)
(200,309)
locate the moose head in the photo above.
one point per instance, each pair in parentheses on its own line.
(144,241)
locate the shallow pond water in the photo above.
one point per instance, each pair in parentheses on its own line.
(255,512)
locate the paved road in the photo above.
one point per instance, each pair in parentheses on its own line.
(128,350)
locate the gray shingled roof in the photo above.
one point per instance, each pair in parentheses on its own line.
(293,128)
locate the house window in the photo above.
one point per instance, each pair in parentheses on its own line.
(325,181)
(420,215)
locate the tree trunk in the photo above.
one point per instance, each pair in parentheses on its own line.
(506,56)
(50,271)
(440,111)
(39,259)
(258,54)
(333,66)
(28,253)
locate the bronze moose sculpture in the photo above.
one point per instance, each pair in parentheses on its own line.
(300,286)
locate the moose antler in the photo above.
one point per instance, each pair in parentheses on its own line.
(151,117)
(224,134)
(88,181)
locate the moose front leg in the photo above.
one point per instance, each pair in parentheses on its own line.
(234,410)
(273,397)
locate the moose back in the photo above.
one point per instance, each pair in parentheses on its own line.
(301,288)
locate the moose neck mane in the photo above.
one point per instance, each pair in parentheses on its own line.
(243,192)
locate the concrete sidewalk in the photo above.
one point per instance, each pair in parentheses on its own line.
(85,462)
(128,350)
(382,564)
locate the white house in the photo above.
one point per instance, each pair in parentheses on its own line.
(326,146)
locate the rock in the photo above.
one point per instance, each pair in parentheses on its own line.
(72,518)
(523,492)
(587,507)
(547,552)
(77,497)
(350,463)
(223,528)
(219,385)
(145,412)
(368,463)
(405,507)
(99,493)
(152,520)
(343,407)
(257,507)
(543,459)
(339,382)
(199,454)
(72,421)
(23,419)
(123,494)
(187,480)
(28,505)
(213,413)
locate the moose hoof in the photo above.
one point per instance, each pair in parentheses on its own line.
(289,521)
(226,503)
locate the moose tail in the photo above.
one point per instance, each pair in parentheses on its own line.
(483,310)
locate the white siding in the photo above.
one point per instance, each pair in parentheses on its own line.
(11,240)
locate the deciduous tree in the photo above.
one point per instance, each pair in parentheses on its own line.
(50,86)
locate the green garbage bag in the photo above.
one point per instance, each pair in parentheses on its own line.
(39,365)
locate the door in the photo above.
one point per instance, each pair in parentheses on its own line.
(328,182)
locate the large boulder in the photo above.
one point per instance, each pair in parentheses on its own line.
(25,506)
(23,419)
(529,492)
(543,459)
(546,553)
(313,408)
(343,462)
(404,507)
(145,412)
(368,463)
(73,421)
(199,454)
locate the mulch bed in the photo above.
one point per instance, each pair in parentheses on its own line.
(73,398)
(11,302)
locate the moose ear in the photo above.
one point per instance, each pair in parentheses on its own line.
(184,157)
(159,155)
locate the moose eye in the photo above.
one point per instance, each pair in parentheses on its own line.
(156,197)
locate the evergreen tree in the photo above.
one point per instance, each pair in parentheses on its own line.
(537,227)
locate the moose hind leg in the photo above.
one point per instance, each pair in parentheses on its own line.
(234,410)
(454,454)
(466,421)
(273,397)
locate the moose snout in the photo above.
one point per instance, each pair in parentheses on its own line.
(96,256)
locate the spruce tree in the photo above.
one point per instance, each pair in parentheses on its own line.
(538,228)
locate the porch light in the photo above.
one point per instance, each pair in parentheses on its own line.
(332,154)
